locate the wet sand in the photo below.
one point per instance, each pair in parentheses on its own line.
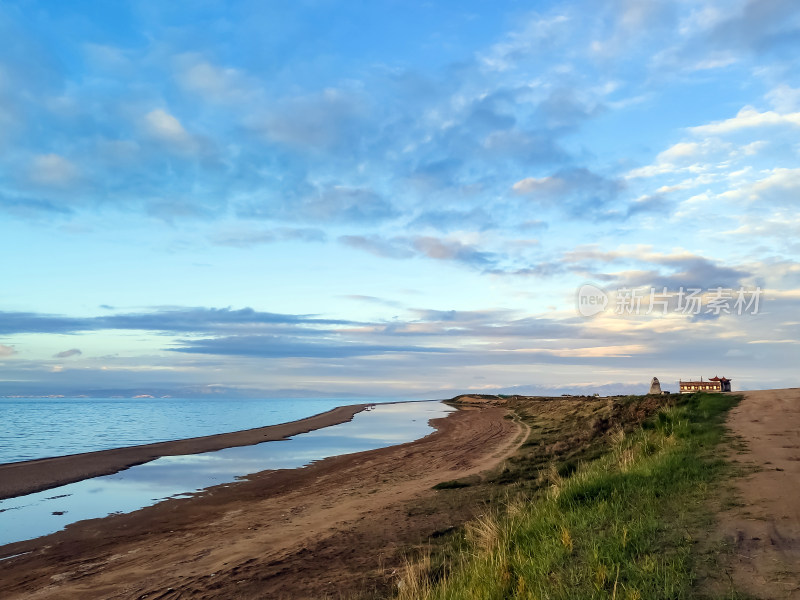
(296,533)
(27,477)
(764,530)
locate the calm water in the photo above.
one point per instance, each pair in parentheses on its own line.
(34,515)
(42,427)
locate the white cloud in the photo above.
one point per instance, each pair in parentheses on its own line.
(782,224)
(547,185)
(589,352)
(781,186)
(665,168)
(699,19)
(52,170)
(753,148)
(680,151)
(709,147)
(539,32)
(218,84)
(166,128)
(747,118)
(711,154)
(6,350)
(784,99)
(683,157)
(626,22)
(715,61)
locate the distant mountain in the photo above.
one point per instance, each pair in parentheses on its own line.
(608,389)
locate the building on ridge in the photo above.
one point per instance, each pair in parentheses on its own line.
(715,384)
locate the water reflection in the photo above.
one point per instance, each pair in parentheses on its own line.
(34,515)
(33,428)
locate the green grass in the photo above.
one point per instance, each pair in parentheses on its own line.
(618,527)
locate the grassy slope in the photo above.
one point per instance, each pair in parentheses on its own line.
(618,527)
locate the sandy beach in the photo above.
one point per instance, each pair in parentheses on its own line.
(26,477)
(299,533)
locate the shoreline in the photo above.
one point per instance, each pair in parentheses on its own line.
(30,476)
(287,533)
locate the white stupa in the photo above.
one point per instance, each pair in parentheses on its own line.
(655,386)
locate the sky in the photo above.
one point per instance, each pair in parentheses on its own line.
(385,198)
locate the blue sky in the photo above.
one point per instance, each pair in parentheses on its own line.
(394,198)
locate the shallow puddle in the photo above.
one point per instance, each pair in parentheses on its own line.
(42,513)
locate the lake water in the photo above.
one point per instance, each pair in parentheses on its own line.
(42,427)
(34,515)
